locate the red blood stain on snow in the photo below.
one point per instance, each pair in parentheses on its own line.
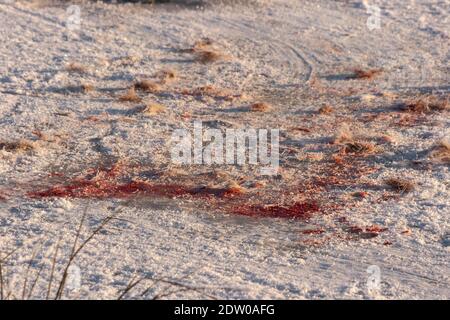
(313,231)
(372,229)
(103,189)
(298,210)
(104,185)
(117,182)
(366,232)
(99,189)
(56,174)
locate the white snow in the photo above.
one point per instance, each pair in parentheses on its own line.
(276,50)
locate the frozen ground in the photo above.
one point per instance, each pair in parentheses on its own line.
(296,55)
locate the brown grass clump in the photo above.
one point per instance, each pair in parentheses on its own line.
(147,86)
(130,96)
(400,184)
(233,188)
(426,104)
(166,76)
(260,107)
(208,55)
(352,145)
(441,152)
(366,74)
(153,108)
(205,52)
(16,146)
(87,87)
(386,138)
(360,194)
(202,43)
(418,106)
(76,67)
(208,91)
(326,110)
(359,147)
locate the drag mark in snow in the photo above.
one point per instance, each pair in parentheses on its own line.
(117,182)
(103,189)
(103,184)
(114,183)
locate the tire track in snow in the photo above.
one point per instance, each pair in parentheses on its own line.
(292,52)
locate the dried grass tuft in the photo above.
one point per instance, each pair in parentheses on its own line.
(205,52)
(387,138)
(166,76)
(206,91)
(441,152)
(260,107)
(76,67)
(17,146)
(426,104)
(130,96)
(77,248)
(202,43)
(326,109)
(27,289)
(400,184)
(352,145)
(148,86)
(360,194)
(208,55)
(233,188)
(154,108)
(87,87)
(366,74)
(360,147)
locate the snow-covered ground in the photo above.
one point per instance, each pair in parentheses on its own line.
(296,55)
